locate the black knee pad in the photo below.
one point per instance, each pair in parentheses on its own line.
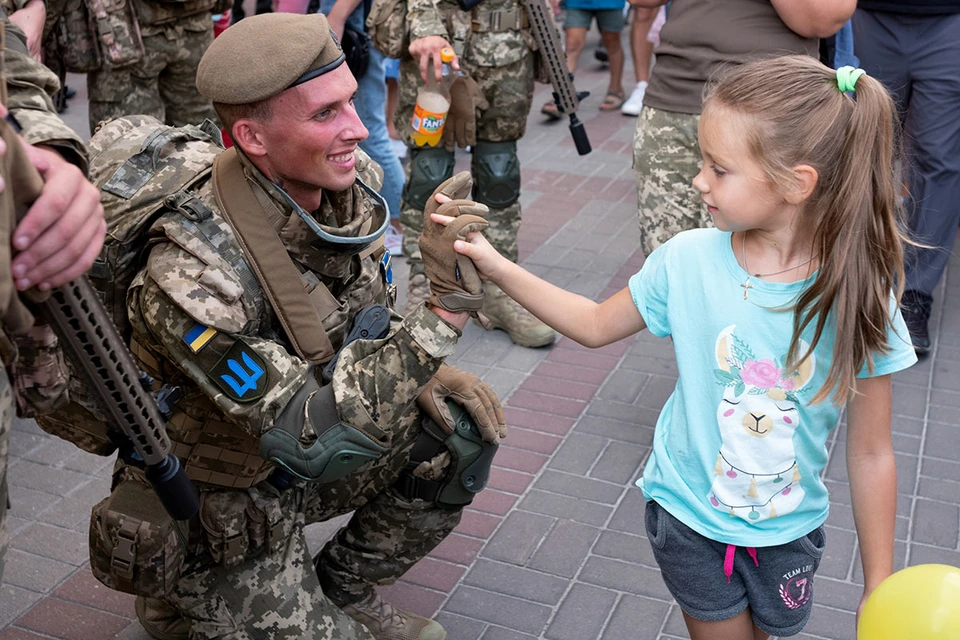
(428,168)
(497,171)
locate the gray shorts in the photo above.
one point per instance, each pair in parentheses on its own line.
(610,20)
(775,582)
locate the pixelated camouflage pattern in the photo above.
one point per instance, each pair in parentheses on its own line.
(666,157)
(30,86)
(118,32)
(69,44)
(131,196)
(509,90)
(272,589)
(6,422)
(163,83)
(278,593)
(155,556)
(40,376)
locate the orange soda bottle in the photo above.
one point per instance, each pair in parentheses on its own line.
(433,104)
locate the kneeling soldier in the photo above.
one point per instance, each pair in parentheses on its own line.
(264,300)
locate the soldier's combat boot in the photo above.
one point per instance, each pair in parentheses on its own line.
(418,292)
(500,311)
(160,620)
(386,622)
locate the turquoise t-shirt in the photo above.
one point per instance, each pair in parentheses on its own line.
(738,448)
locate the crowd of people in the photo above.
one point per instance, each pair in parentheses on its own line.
(797,214)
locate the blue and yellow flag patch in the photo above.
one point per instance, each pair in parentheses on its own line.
(198,337)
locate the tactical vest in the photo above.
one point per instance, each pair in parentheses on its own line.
(151,174)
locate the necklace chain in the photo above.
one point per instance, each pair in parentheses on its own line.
(746,283)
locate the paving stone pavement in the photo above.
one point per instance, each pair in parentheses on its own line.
(554,548)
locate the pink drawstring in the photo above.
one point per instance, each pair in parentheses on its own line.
(728,559)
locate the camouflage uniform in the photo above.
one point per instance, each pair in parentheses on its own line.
(26,83)
(502,63)
(163,83)
(267,585)
(666,158)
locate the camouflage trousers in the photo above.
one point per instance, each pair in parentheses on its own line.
(509,90)
(6,422)
(281,592)
(163,84)
(666,158)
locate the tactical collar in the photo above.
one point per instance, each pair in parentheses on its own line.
(326,241)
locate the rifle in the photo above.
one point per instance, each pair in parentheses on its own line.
(565,95)
(91,341)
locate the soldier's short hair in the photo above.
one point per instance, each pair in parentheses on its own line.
(230,114)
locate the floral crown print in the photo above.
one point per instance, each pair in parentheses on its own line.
(764,376)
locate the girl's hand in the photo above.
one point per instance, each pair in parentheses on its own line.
(476,247)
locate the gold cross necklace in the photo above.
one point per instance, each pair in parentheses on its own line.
(746,286)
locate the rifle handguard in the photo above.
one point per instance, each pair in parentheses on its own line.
(93,344)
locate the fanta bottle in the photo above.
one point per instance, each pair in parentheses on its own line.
(433,103)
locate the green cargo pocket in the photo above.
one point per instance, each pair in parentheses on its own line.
(134,546)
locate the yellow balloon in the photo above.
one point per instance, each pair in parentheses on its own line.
(918,603)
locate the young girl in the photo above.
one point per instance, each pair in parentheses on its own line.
(780,317)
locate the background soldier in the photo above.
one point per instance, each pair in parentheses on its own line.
(57,243)
(163,83)
(493,44)
(200,323)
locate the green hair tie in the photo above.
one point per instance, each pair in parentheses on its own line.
(847,78)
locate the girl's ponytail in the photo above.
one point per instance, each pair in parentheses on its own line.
(858,238)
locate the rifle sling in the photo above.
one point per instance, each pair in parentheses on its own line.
(270,261)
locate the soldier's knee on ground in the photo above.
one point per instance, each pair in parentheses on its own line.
(497,173)
(428,168)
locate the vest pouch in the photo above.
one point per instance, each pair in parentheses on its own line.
(223,515)
(134,546)
(114,23)
(386,24)
(267,526)
(74,41)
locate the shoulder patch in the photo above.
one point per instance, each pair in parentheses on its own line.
(241,373)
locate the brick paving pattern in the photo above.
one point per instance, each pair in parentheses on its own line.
(554,548)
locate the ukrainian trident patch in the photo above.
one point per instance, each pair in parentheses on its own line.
(241,373)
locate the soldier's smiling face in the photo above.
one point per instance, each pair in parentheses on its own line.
(310,139)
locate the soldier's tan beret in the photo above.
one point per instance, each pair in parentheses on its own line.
(261,56)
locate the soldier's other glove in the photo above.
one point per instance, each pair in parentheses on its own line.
(455,284)
(461,126)
(471,393)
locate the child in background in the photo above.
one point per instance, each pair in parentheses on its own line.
(781,316)
(609,16)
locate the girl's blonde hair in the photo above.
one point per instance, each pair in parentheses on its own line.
(797,115)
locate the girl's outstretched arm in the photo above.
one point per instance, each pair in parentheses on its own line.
(873,478)
(589,323)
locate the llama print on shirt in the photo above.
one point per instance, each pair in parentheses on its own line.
(756,475)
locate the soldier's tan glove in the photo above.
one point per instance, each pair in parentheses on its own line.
(466,99)
(471,393)
(455,284)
